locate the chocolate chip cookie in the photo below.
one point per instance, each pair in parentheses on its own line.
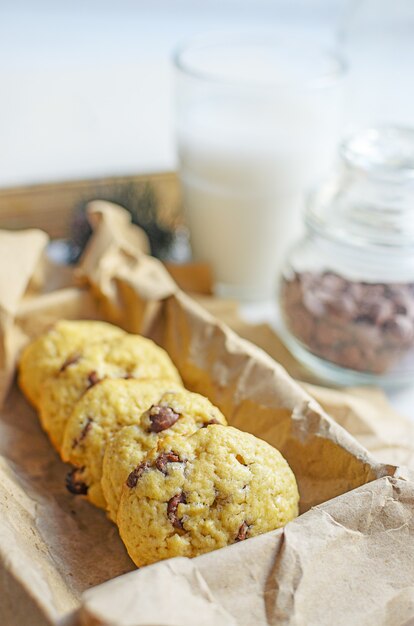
(178,413)
(128,356)
(100,413)
(58,349)
(196,494)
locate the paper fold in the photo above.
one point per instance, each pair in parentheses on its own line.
(334,565)
(63,549)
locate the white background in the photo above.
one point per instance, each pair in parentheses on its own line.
(86,86)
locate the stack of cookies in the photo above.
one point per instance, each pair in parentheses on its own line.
(159,459)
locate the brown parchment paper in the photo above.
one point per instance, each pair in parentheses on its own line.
(56,549)
(347,562)
(363,411)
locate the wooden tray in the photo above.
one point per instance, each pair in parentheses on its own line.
(50,206)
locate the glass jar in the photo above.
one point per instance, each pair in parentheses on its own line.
(347,288)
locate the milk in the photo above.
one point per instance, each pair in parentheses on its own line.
(246,162)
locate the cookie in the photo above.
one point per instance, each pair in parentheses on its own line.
(99,414)
(46,355)
(129,356)
(199,493)
(179,413)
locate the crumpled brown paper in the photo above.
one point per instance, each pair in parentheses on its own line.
(20,254)
(54,546)
(345,562)
(363,411)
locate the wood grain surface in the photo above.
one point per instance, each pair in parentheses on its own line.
(50,206)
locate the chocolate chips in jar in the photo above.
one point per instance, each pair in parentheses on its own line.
(362,326)
(347,289)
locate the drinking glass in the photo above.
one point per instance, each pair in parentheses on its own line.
(258,122)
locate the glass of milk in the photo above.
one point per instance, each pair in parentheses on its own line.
(258,122)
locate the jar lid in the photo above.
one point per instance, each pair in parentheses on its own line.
(371,201)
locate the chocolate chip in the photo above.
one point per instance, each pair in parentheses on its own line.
(172,507)
(209,423)
(241,459)
(400,328)
(243,530)
(136,474)
(356,290)
(70,360)
(343,307)
(333,282)
(163,459)
(93,379)
(374,290)
(73,482)
(314,304)
(161,418)
(128,376)
(330,334)
(83,432)
(375,311)
(303,323)
(404,304)
(363,326)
